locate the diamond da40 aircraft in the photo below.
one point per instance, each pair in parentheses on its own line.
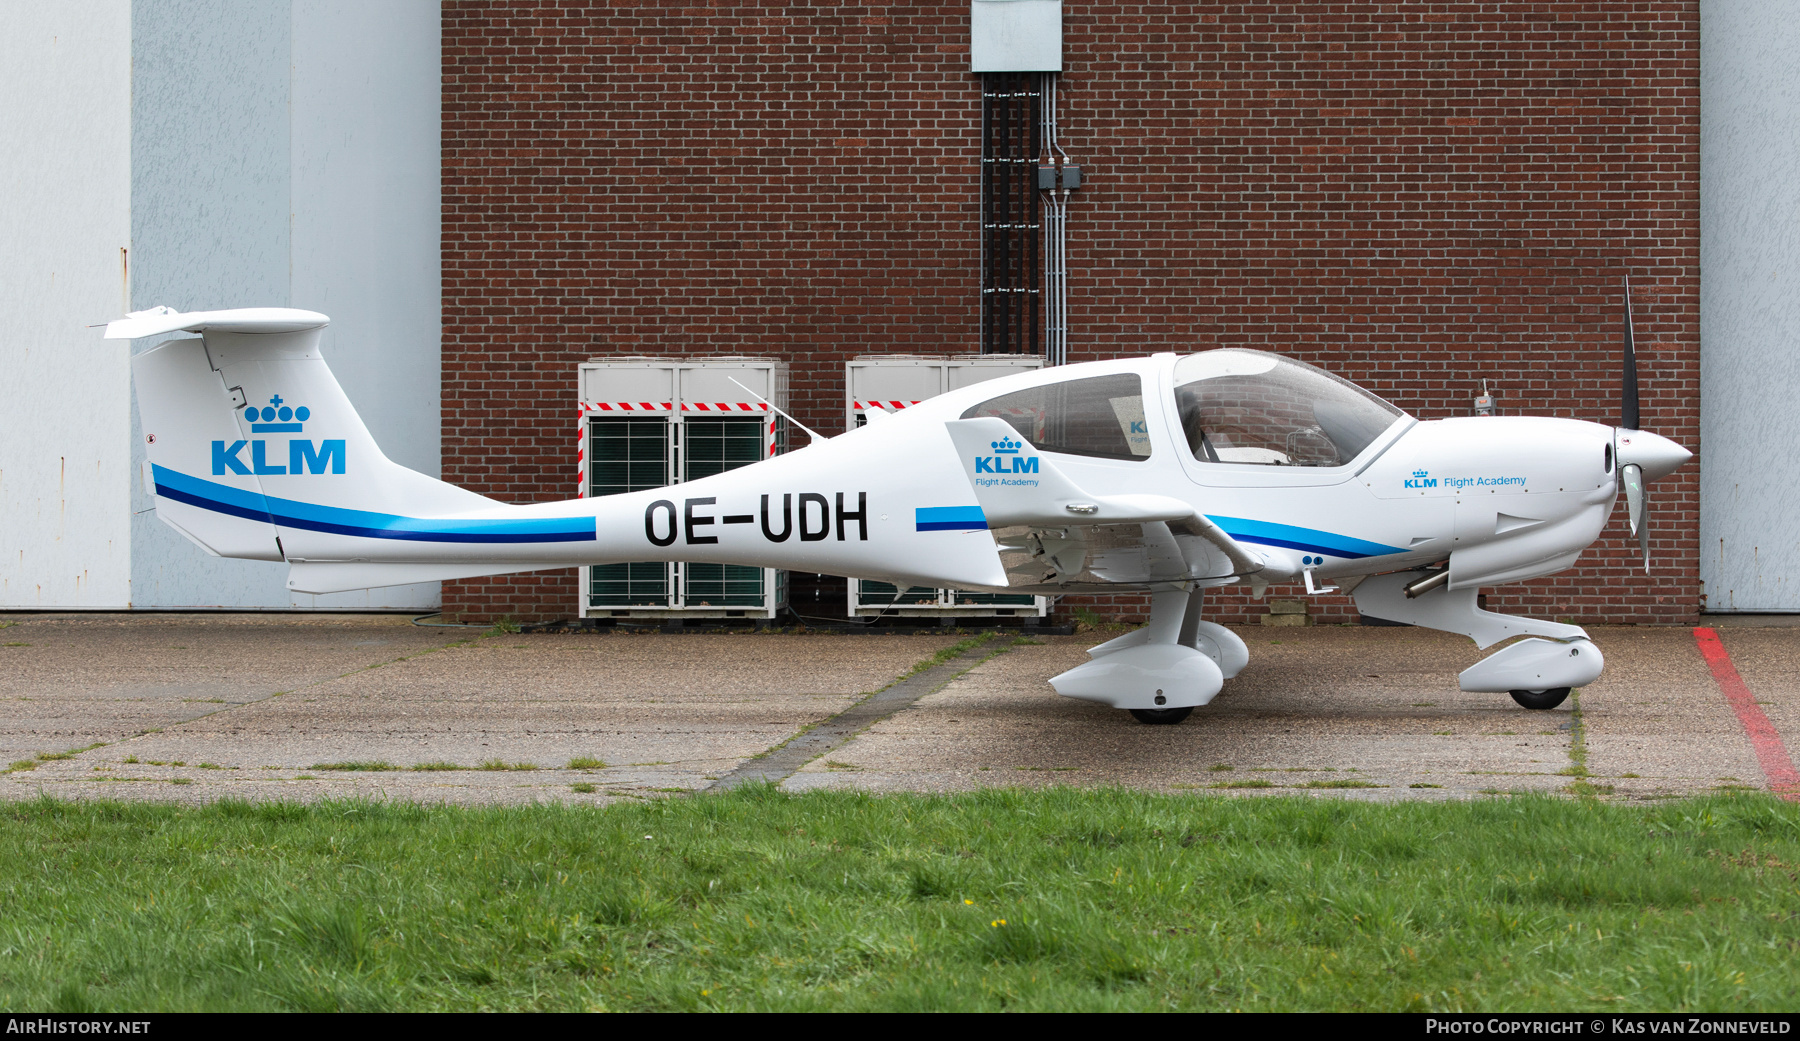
(1172,474)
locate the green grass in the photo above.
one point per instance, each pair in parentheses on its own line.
(585,762)
(1004,899)
(501,764)
(951,652)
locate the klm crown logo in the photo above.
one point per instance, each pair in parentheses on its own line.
(303,456)
(1006,459)
(1421,479)
(278,418)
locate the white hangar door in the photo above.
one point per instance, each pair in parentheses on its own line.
(1749,306)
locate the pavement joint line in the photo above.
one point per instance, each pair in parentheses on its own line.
(1577,770)
(828,735)
(1765,740)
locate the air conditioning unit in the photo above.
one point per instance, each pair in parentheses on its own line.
(649,422)
(893,382)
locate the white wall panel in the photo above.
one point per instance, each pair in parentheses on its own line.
(65,176)
(285,153)
(209,229)
(1749,304)
(364,147)
(366,202)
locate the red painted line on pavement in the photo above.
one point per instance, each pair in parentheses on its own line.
(1777,765)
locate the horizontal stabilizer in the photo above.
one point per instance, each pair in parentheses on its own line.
(158,320)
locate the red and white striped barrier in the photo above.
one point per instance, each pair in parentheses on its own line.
(586,408)
(885,406)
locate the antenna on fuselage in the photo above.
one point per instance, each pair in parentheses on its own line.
(1628,381)
(774,408)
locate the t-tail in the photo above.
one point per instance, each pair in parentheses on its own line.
(257,453)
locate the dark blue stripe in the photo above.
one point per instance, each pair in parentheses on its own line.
(950,525)
(1307,540)
(204,503)
(236,502)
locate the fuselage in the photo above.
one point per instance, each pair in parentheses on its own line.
(1504,498)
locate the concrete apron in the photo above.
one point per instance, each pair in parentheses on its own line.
(251,705)
(1352,712)
(1346,711)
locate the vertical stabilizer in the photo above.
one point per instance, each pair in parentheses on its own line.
(256,450)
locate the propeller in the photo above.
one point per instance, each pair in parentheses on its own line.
(1637,502)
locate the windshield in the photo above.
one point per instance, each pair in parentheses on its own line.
(1241,406)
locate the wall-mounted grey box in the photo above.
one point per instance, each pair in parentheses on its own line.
(1015,36)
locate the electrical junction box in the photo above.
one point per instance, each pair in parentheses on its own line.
(1015,36)
(892,382)
(644,423)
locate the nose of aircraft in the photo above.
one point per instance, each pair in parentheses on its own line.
(1657,455)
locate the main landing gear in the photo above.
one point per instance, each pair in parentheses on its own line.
(1161,716)
(1541,699)
(1165,670)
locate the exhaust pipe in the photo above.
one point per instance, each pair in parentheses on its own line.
(1414,590)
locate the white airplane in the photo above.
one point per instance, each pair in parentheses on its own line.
(1169,473)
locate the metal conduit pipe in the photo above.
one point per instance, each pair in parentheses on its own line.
(1056,281)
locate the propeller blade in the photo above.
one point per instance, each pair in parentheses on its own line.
(1628,386)
(1637,503)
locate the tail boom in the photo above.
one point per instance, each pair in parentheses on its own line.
(256,452)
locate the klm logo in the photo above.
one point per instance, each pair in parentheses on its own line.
(1420,480)
(303,456)
(1138,427)
(1006,460)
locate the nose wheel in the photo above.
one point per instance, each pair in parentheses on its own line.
(1162,716)
(1541,699)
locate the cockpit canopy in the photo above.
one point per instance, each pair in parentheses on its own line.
(1235,406)
(1100,416)
(1243,406)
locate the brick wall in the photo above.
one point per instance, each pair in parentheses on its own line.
(1416,196)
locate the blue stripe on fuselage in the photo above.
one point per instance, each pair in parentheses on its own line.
(949,518)
(1307,540)
(288,513)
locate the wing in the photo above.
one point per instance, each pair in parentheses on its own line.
(1055,537)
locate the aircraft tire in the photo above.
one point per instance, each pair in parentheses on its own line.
(1541,699)
(1160,716)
